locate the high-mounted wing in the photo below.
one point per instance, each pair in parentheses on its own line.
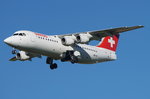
(96,35)
(85,37)
(114,31)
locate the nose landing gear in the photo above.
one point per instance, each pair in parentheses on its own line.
(50,61)
(14,51)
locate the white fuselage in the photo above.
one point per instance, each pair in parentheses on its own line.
(52,46)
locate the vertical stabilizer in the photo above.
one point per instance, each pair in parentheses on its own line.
(109,42)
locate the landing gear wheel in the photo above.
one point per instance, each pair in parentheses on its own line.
(53,66)
(50,61)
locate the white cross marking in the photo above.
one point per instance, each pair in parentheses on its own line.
(111,41)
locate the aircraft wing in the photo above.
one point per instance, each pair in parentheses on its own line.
(97,35)
(13,59)
(23,56)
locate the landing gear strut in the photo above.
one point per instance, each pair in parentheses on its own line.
(50,61)
(14,51)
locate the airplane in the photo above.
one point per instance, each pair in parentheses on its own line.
(72,48)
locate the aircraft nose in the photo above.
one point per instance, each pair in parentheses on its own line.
(8,41)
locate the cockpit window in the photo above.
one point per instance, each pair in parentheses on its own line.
(19,34)
(23,34)
(15,34)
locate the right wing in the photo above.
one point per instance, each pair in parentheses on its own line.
(97,35)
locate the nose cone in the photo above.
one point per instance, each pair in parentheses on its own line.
(11,41)
(8,41)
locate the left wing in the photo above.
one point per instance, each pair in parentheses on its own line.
(23,56)
(13,59)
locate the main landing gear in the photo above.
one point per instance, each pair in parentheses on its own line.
(50,61)
(69,56)
(74,59)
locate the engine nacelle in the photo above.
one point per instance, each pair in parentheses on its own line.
(83,38)
(68,40)
(22,56)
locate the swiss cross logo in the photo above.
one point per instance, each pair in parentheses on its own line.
(111,41)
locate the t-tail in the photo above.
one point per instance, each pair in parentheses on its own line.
(111,37)
(109,42)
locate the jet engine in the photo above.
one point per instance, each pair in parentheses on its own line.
(83,38)
(68,40)
(22,56)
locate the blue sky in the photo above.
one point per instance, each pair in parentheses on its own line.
(126,78)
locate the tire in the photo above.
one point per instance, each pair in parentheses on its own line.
(55,65)
(51,67)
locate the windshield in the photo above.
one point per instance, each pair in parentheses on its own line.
(19,34)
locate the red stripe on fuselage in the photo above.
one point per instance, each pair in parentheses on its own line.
(41,35)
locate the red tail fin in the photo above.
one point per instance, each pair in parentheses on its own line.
(109,42)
